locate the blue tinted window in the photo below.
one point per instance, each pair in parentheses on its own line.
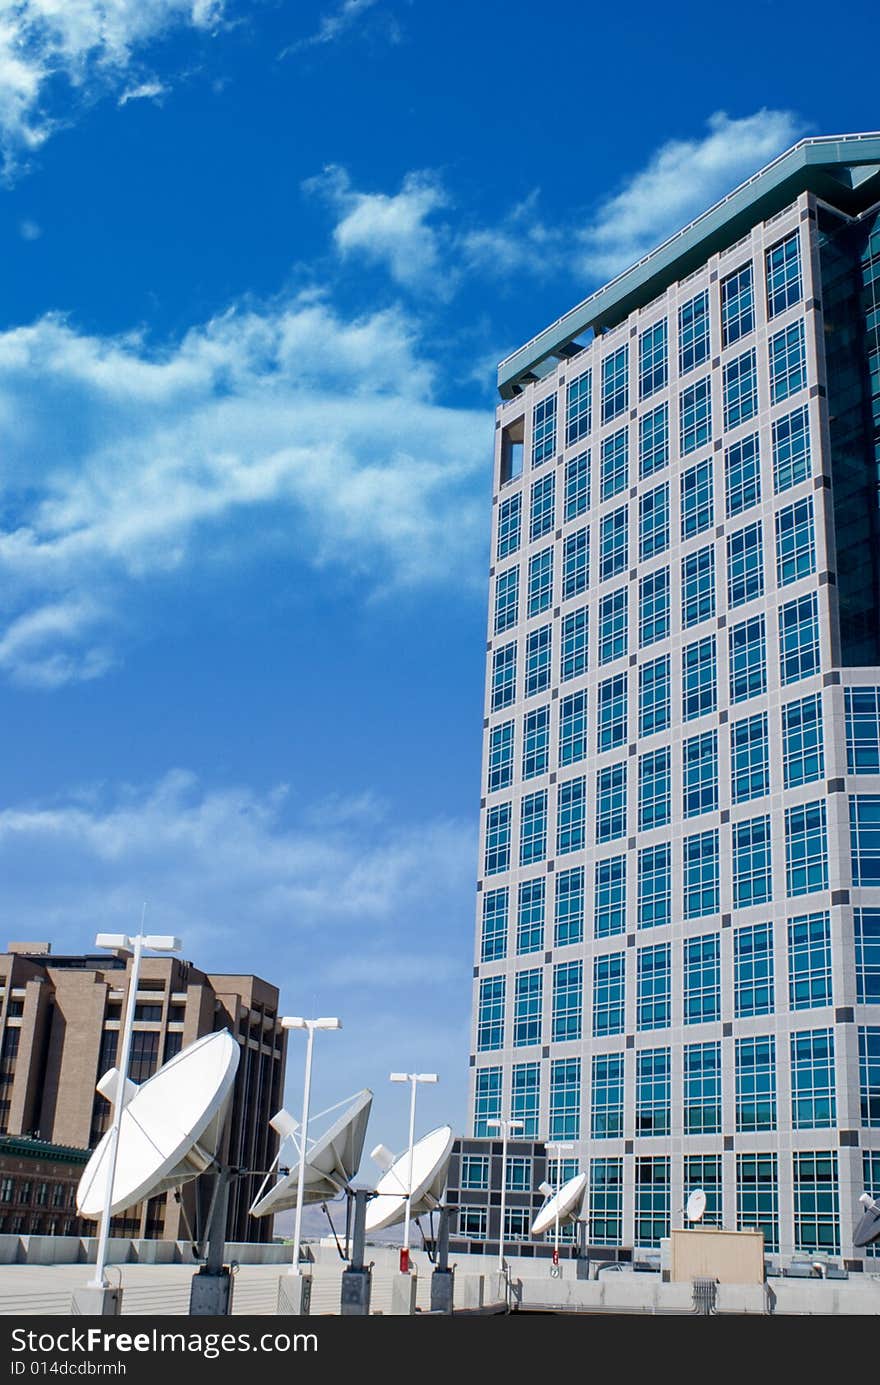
(653,1092)
(527,1006)
(788,362)
(540,581)
(795,542)
(569,923)
(654,522)
(740,387)
(654,987)
(613,547)
(574,644)
(494,934)
(509,525)
(615,464)
(695,416)
(490,1015)
(700,774)
(543,507)
(654,886)
(570,816)
(500,757)
(575,563)
(742,475)
(702,1088)
(497,839)
(803,757)
(783,268)
(568,992)
(864,826)
(862,730)
(752,865)
(753,988)
(737,305)
(536,742)
(799,638)
(653,368)
(609,904)
(693,332)
(745,565)
(806,849)
(809,961)
(544,429)
(613,626)
(749,758)
(654,607)
(611,802)
(654,440)
(538,647)
(504,676)
(578,408)
(791,449)
(747,647)
(698,678)
(609,994)
(611,713)
(615,384)
(573,728)
(606,1119)
(702,979)
(654,789)
(506,599)
(813,1103)
(755,1090)
(565,1099)
(701,874)
(577,486)
(530,916)
(697,508)
(698,586)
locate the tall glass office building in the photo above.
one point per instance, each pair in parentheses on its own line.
(677,961)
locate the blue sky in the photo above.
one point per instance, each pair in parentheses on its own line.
(259,263)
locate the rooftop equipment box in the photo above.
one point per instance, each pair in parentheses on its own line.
(731,1257)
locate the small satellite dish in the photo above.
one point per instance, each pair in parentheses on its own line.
(330,1164)
(868,1229)
(564,1205)
(696,1205)
(430,1164)
(170,1130)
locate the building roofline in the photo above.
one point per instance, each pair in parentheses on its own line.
(842,169)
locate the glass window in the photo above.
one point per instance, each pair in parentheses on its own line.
(533,828)
(704,1171)
(575,563)
(569,927)
(606,1202)
(788,362)
(652,1200)
(699,678)
(702,1088)
(700,774)
(504,676)
(500,757)
(615,464)
(543,507)
(490,1017)
(615,384)
(611,718)
(578,408)
(867,943)
(862,730)
(695,416)
(745,565)
(497,838)
(803,757)
(737,305)
(653,368)
(613,546)
(540,581)
(816,1212)
(613,626)
(609,904)
(799,638)
(487,1100)
(783,268)
(568,990)
(654,607)
(696,500)
(806,849)
(606,1110)
(740,381)
(538,648)
(698,586)
(573,728)
(742,475)
(654,522)
(795,542)
(702,979)
(654,987)
(653,1092)
(506,599)
(530,916)
(654,786)
(475,1172)
(527,1005)
(654,886)
(577,486)
(756,1083)
(869,1075)
(509,524)
(693,332)
(791,449)
(749,758)
(753,988)
(571,816)
(536,742)
(748,659)
(525,1097)
(752,866)
(609,994)
(757,1196)
(611,802)
(544,429)
(565,1099)
(701,874)
(574,644)
(654,440)
(494,938)
(809,961)
(864,827)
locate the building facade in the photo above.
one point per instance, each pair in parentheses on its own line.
(677,960)
(38,1183)
(60,1018)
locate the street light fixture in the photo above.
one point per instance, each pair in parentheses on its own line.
(558,1150)
(121,942)
(414,1078)
(297,1022)
(505,1126)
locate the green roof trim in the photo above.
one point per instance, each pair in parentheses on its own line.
(841,169)
(23,1146)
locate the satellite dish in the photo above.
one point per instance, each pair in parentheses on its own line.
(868,1229)
(330,1164)
(430,1164)
(696,1205)
(564,1205)
(170,1130)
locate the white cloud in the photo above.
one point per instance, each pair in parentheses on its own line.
(682,179)
(390,230)
(90,44)
(282,426)
(29,230)
(334,25)
(144,91)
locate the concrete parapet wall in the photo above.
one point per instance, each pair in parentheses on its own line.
(51,1250)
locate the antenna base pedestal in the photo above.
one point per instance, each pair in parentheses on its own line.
(93,1301)
(211,1293)
(442,1290)
(294,1295)
(356,1289)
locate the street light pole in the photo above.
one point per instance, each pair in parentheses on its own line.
(558,1150)
(122,942)
(505,1126)
(414,1078)
(297,1022)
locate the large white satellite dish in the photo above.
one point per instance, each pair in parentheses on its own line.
(696,1205)
(330,1164)
(170,1130)
(563,1206)
(430,1165)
